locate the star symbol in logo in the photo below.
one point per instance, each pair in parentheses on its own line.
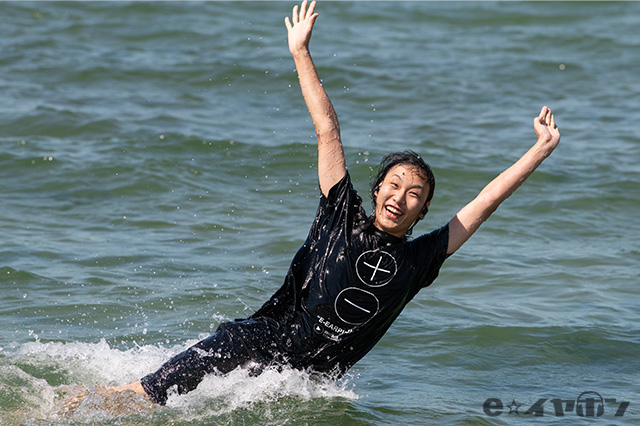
(513,407)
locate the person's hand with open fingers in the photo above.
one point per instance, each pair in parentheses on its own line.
(300,26)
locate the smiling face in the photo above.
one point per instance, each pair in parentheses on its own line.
(400,199)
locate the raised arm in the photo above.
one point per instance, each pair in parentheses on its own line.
(331,163)
(469,219)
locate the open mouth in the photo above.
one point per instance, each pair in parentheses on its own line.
(392,211)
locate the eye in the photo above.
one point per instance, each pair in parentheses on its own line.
(393,185)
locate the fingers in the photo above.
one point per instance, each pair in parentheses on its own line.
(301,13)
(304,12)
(543,115)
(540,118)
(546,118)
(312,7)
(551,120)
(545,126)
(295,16)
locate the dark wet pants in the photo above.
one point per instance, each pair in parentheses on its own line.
(236,344)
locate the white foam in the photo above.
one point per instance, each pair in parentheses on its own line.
(238,389)
(91,364)
(28,394)
(96,363)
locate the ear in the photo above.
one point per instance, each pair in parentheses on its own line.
(422,215)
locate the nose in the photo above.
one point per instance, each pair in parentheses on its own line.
(399,197)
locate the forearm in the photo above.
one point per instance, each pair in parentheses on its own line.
(331,163)
(469,219)
(315,96)
(508,181)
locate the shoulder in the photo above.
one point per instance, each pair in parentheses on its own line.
(433,244)
(339,188)
(437,235)
(342,195)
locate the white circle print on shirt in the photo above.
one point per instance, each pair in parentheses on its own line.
(376,268)
(354,305)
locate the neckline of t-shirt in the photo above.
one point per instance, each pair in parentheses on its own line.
(386,236)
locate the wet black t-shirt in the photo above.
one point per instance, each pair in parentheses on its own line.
(347,284)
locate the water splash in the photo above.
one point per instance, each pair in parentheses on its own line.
(58,383)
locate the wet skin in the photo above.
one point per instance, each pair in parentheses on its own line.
(399,199)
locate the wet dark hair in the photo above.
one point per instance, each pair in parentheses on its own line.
(407,158)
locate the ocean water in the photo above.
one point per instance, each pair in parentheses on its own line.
(158,173)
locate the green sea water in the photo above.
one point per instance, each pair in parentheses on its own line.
(158,173)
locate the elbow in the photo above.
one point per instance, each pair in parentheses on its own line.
(328,135)
(327,125)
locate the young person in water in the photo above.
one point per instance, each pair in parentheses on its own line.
(354,274)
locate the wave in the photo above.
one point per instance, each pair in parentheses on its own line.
(37,377)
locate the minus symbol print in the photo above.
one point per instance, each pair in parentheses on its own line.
(356,306)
